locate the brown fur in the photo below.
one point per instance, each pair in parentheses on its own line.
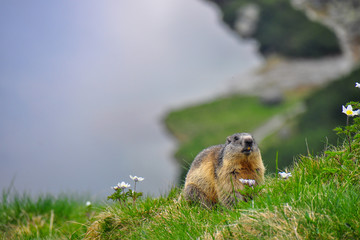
(215,172)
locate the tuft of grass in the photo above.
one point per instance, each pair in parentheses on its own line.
(25,217)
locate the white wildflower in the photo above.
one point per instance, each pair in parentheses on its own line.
(357,85)
(243,181)
(284,175)
(249,182)
(349,111)
(88,203)
(123,185)
(136,178)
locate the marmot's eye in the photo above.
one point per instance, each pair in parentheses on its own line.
(236,138)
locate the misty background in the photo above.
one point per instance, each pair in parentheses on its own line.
(84,86)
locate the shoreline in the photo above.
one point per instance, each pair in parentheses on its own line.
(278,75)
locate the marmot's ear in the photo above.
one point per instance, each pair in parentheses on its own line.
(228,139)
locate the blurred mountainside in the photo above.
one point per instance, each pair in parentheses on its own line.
(283,26)
(292,103)
(279,28)
(343,17)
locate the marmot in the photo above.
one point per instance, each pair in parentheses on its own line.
(215,172)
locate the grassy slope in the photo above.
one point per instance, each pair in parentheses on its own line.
(201,126)
(320,201)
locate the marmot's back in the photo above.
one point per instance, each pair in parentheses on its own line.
(200,180)
(215,172)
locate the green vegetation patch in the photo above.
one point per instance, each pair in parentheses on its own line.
(204,125)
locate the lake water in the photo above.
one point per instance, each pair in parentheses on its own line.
(84,86)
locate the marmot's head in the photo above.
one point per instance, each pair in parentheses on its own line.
(241,143)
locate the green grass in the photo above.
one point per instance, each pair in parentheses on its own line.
(320,201)
(43,217)
(203,125)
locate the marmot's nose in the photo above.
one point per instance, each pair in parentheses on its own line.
(248,142)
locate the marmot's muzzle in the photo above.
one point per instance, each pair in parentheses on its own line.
(248,146)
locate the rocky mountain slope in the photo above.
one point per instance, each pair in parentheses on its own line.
(343,17)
